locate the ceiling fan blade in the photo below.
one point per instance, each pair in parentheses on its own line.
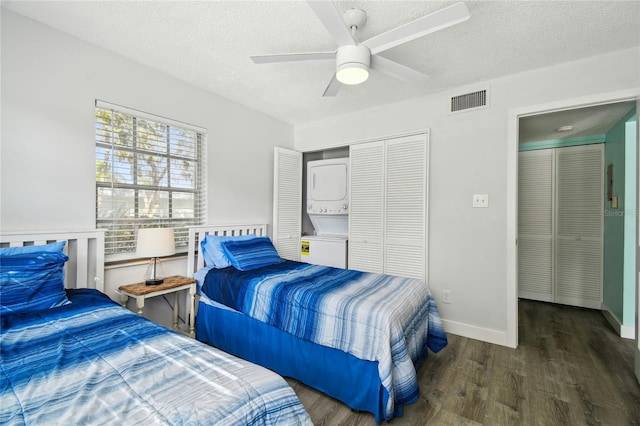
(291,57)
(433,22)
(397,70)
(333,21)
(333,88)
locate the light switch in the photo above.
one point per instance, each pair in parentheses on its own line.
(481,200)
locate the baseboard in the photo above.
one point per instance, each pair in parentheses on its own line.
(488,335)
(624,331)
(628,332)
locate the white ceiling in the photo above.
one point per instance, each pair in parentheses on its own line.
(588,121)
(208,43)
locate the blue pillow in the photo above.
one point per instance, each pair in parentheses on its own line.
(212,250)
(32,281)
(246,255)
(9,251)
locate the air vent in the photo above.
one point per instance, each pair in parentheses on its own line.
(469,101)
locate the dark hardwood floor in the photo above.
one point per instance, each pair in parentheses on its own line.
(570,368)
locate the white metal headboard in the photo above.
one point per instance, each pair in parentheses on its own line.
(85,268)
(197,234)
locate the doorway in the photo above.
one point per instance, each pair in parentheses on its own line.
(572,244)
(515,116)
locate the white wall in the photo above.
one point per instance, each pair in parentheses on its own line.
(47,179)
(469,155)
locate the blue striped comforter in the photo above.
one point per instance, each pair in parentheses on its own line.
(93,362)
(389,319)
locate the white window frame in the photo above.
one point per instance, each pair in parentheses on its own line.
(123,247)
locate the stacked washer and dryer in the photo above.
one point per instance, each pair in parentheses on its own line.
(328,210)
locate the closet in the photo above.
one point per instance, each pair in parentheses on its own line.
(287,202)
(387,211)
(560,225)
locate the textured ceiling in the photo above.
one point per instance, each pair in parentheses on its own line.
(208,43)
(589,121)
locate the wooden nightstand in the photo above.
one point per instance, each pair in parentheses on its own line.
(141,291)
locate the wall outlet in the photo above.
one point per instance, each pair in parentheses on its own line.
(446,296)
(481,200)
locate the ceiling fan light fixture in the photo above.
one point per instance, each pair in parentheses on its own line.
(352,64)
(353,60)
(352,73)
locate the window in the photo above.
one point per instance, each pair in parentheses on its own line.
(149,174)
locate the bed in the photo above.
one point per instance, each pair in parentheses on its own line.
(358,337)
(71,355)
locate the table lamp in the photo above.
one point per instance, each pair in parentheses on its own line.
(154,243)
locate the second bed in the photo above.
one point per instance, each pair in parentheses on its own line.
(355,336)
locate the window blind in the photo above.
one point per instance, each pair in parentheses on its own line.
(150,173)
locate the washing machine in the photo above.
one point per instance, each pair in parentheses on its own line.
(328,210)
(324,250)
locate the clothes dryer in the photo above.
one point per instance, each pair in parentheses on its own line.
(328,210)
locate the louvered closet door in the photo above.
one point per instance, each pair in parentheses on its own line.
(579,222)
(535,225)
(287,202)
(405,206)
(366,207)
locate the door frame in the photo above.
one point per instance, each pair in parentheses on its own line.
(637,345)
(514,116)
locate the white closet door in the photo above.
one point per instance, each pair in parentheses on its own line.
(405,206)
(535,224)
(579,225)
(366,207)
(287,202)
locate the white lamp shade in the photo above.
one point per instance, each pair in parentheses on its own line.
(155,242)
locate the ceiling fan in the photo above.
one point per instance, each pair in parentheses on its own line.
(353,59)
